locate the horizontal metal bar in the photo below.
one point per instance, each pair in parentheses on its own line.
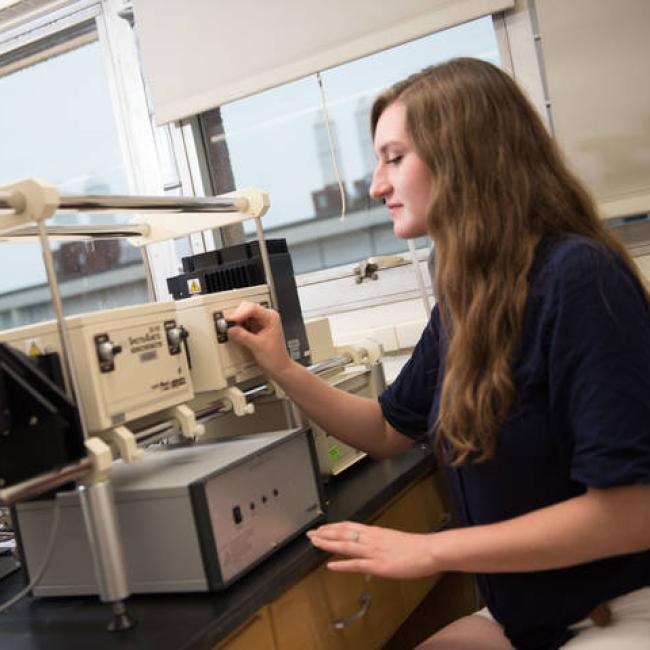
(97,231)
(44,482)
(117,203)
(219,408)
(108,203)
(332,363)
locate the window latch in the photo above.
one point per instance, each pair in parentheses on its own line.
(367,269)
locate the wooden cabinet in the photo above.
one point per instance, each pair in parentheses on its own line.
(255,633)
(344,611)
(301,619)
(363,611)
(419,510)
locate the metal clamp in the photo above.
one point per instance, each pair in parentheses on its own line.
(367,269)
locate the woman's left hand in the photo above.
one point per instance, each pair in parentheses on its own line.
(376,551)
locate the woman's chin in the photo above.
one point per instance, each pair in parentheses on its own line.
(408,231)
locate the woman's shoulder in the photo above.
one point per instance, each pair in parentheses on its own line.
(568,252)
(569,260)
(579,276)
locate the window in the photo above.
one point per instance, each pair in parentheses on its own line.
(57,122)
(277,140)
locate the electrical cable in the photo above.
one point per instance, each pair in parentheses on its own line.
(330,140)
(418,278)
(46,560)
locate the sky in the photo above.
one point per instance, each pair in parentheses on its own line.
(57,123)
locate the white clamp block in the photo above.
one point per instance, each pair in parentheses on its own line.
(237,400)
(125,442)
(101,457)
(257,201)
(186,419)
(365,352)
(32,200)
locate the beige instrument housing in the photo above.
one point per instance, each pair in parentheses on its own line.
(218,365)
(146,376)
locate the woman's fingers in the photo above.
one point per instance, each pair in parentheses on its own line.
(343,530)
(340,547)
(247,310)
(374,550)
(242,336)
(351,566)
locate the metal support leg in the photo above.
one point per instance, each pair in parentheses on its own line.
(100,517)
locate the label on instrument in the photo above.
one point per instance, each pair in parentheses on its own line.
(293,346)
(194,286)
(149,339)
(33,347)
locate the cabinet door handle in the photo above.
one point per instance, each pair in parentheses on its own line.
(365,600)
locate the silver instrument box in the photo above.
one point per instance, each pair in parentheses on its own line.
(191,518)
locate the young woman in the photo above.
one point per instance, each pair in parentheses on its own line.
(532,377)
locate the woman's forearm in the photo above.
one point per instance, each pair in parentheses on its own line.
(355,420)
(598,524)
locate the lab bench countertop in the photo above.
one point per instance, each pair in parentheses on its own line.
(198,621)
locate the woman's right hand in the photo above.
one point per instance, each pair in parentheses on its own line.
(260,330)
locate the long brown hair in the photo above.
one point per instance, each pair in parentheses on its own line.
(499,185)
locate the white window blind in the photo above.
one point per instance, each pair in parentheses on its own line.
(201,54)
(597,63)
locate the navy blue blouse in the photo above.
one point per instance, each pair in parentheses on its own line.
(581,417)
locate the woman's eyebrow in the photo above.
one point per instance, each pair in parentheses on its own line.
(389,144)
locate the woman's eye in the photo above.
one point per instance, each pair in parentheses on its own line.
(394,160)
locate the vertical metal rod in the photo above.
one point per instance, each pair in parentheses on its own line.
(98,507)
(148,273)
(96,499)
(66,346)
(292,414)
(266,263)
(419,279)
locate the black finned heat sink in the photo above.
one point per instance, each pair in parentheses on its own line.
(239,266)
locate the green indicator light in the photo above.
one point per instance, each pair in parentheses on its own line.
(334,452)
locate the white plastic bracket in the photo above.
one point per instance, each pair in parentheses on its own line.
(186,419)
(237,400)
(125,442)
(364,353)
(31,200)
(101,456)
(257,201)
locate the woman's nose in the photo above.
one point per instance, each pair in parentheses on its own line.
(379,187)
